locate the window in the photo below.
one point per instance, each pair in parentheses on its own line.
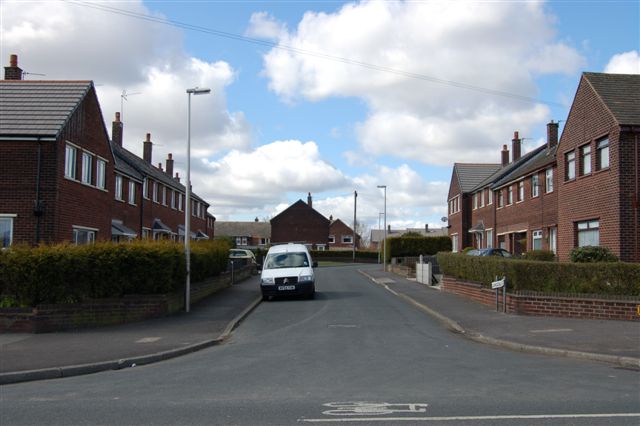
(321,247)
(585,160)
(482,198)
(241,241)
(180,201)
(164,195)
(155,192)
(132,192)
(118,187)
(535,185)
(536,240)
(570,165)
(489,197)
(70,162)
(510,195)
(602,154)
(6,230)
(489,233)
(548,181)
(146,233)
(83,236)
(521,190)
(500,198)
(347,239)
(332,239)
(588,233)
(145,188)
(454,243)
(553,239)
(475,201)
(101,174)
(264,241)
(87,160)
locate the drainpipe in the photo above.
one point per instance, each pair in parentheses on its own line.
(636,201)
(37,207)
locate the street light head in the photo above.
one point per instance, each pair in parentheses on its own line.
(382,186)
(199,91)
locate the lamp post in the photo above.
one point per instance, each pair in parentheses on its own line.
(384,259)
(380,214)
(187,199)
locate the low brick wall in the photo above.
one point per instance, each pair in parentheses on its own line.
(101,312)
(556,305)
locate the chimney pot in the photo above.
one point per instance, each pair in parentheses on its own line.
(13,60)
(505,156)
(147,149)
(13,72)
(169,166)
(116,130)
(177,176)
(552,134)
(516,146)
(309,200)
(117,116)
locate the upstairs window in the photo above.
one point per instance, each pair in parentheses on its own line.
(155,192)
(585,160)
(570,165)
(500,198)
(481,194)
(535,185)
(70,162)
(180,201)
(173,199)
(548,181)
(510,195)
(164,195)
(489,197)
(475,201)
(87,161)
(332,239)
(101,174)
(602,154)
(145,188)
(119,188)
(521,190)
(347,239)
(132,192)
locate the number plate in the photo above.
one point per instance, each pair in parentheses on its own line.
(286,287)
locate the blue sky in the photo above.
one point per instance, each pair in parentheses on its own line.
(280,124)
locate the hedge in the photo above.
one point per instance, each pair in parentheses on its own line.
(415,246)
(548,277)
(68,273)
(344,255)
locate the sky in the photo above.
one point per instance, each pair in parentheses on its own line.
(326,97)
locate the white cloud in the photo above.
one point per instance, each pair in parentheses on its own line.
(624,63)
(494,45)
(66,41)
(263,25)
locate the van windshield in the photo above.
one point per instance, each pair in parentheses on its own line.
(286,260)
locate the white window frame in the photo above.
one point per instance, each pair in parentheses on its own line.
(536,237)
(520,191)
(489,237)
(9,218)
(132,192)
(173,199)
(500,198)
(332,239)
(535,186)
(155,191)
(145,188)
(180,201)
(101,173)
(321,247)
(70,161)
(164,195)
(510,195)
(585,229)
(570,164)
(553,239)
(602,153)
(118,188)
(475,201)
(489,196)
(347,239)
(548,180)
(585,160)
(90,233)
(87,160)
(481,195)
(454,243)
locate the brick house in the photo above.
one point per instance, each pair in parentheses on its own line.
(341,236)
(64,180)
(301,223)
(581,190)
(254,234)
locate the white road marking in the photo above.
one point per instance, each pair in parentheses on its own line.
(362,408)
(148,339)
(471,418)
(343,326)
(552,330)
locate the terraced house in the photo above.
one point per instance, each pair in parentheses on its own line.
(577,191)
(62,179)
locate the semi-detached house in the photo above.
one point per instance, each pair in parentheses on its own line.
(62,179)
(578,191)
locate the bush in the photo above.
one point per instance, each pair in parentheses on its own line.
(592,254)
(549,277)
(467,250)
(415,246)
(344,255)
(539,255)
(67,273)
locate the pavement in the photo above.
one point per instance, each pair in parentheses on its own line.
(26,357)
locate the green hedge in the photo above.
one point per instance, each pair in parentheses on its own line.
(68,273)
(344,255)
(548,277)
(415,246)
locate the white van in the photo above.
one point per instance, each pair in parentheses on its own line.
(288,270)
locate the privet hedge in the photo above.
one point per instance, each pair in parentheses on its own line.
(344,255)
(548,277)
(68,273)
(415,246)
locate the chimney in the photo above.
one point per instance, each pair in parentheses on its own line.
(169,167)
(516,146)
(116,130)
(160,167)
(309,200)
(13,72)
(177,177)
(505,156)
(426,228)
(552,134)
(146,150)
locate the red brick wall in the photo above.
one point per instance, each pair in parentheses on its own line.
(300,223)
(570,306)
(338,229)
(604,195)
(458,222)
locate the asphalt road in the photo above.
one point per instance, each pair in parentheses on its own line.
(354,354)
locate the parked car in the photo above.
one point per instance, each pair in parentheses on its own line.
(489,252)
(288,271)
(242,257)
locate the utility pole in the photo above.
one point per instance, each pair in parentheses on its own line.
(355,203)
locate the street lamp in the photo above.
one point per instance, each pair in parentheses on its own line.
(380,214)
(384,260)
(187,207)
